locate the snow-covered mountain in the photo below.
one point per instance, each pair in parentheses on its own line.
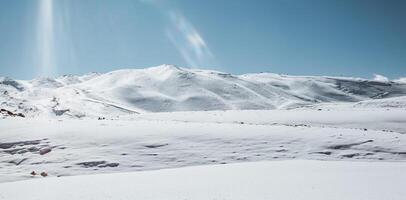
(170,88)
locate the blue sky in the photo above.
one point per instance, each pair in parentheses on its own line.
(298,37)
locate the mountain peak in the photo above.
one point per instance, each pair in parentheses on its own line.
(165,67)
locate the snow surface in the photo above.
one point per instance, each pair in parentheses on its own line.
(169,88)
(174,120)
(179,139)
(282,180)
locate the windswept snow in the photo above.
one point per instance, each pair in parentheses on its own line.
(281,180)
(168,88)
(179,139)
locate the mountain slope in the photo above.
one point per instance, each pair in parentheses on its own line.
(169,88)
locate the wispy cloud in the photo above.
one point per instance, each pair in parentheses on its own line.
(185,37)
(188,41)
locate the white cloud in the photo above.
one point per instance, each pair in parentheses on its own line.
(401,80)
(380,78)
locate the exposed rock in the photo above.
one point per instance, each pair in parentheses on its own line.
(110,165)
(347,146)
(152,146)
(100,164)
(45,151)
(91,163)
(9,145)
(9,113)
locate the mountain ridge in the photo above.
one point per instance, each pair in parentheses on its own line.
(167,88)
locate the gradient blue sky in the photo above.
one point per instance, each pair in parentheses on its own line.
(299,37)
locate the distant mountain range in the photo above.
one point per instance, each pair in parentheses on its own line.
(169,88)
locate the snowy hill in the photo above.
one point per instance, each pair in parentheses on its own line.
(170,88)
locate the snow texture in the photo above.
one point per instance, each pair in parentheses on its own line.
(282,180)
(179,139)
